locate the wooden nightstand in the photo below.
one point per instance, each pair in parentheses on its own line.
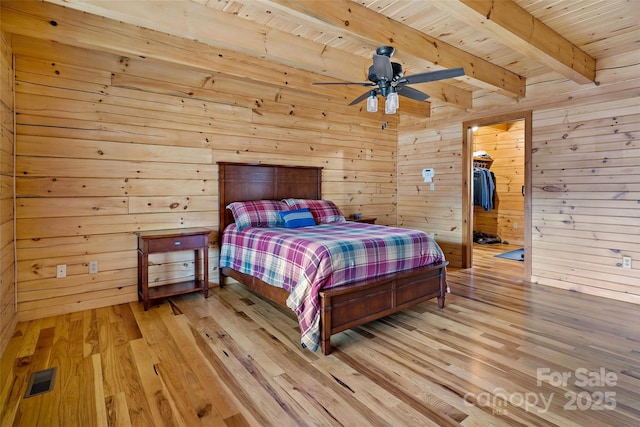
(182,239)
(365,220)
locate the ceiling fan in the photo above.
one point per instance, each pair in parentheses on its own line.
(390,81)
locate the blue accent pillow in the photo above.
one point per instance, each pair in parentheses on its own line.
(297,218)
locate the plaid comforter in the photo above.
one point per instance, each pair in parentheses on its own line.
(306,260)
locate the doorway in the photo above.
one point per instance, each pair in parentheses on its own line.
(481,137)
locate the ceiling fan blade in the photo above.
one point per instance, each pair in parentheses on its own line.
(412,93)
(382,66)
(344,83)
(361,98)
(431,76)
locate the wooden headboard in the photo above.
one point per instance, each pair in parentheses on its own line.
(239,182)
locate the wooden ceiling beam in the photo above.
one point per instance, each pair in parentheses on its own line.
(56,24)
(365,23)
(514,27)
(195,21)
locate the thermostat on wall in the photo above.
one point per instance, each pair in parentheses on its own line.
(427,174)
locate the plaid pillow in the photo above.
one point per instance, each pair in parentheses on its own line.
(324,211)
(258,213)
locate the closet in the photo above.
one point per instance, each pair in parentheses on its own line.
(498,209)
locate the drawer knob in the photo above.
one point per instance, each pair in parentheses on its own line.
(177,243)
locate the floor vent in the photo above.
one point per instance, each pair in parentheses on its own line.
(41,382)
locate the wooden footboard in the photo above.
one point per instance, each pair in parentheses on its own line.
(348,306)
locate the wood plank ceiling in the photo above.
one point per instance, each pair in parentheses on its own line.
(502,45)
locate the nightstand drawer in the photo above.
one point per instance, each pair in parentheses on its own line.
(169,244)
(365,220)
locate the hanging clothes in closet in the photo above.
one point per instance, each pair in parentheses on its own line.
(484,187)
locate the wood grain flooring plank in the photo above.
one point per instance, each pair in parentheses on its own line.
(91,343)
(185,357)
(117,411)
(98,392)
(223,404)
(161,408)
(178,394)
(139,410)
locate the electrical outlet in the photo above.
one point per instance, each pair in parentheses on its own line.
(61,271)
(626,262)
(432,186)
(515,225)
(93,267)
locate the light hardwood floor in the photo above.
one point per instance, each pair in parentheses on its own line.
(494,356)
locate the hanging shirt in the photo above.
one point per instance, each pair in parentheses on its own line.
(483,188)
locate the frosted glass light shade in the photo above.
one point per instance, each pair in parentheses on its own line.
(391,103)
(372,104)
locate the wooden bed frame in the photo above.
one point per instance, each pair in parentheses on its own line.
(343,307)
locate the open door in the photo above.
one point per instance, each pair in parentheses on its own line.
(467,195)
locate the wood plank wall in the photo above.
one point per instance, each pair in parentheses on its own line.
(586,196)
(8,316)
(108,145)
(436,211)
(505,144)
(586,178)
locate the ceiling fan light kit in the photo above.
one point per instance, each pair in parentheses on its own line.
(390,82)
